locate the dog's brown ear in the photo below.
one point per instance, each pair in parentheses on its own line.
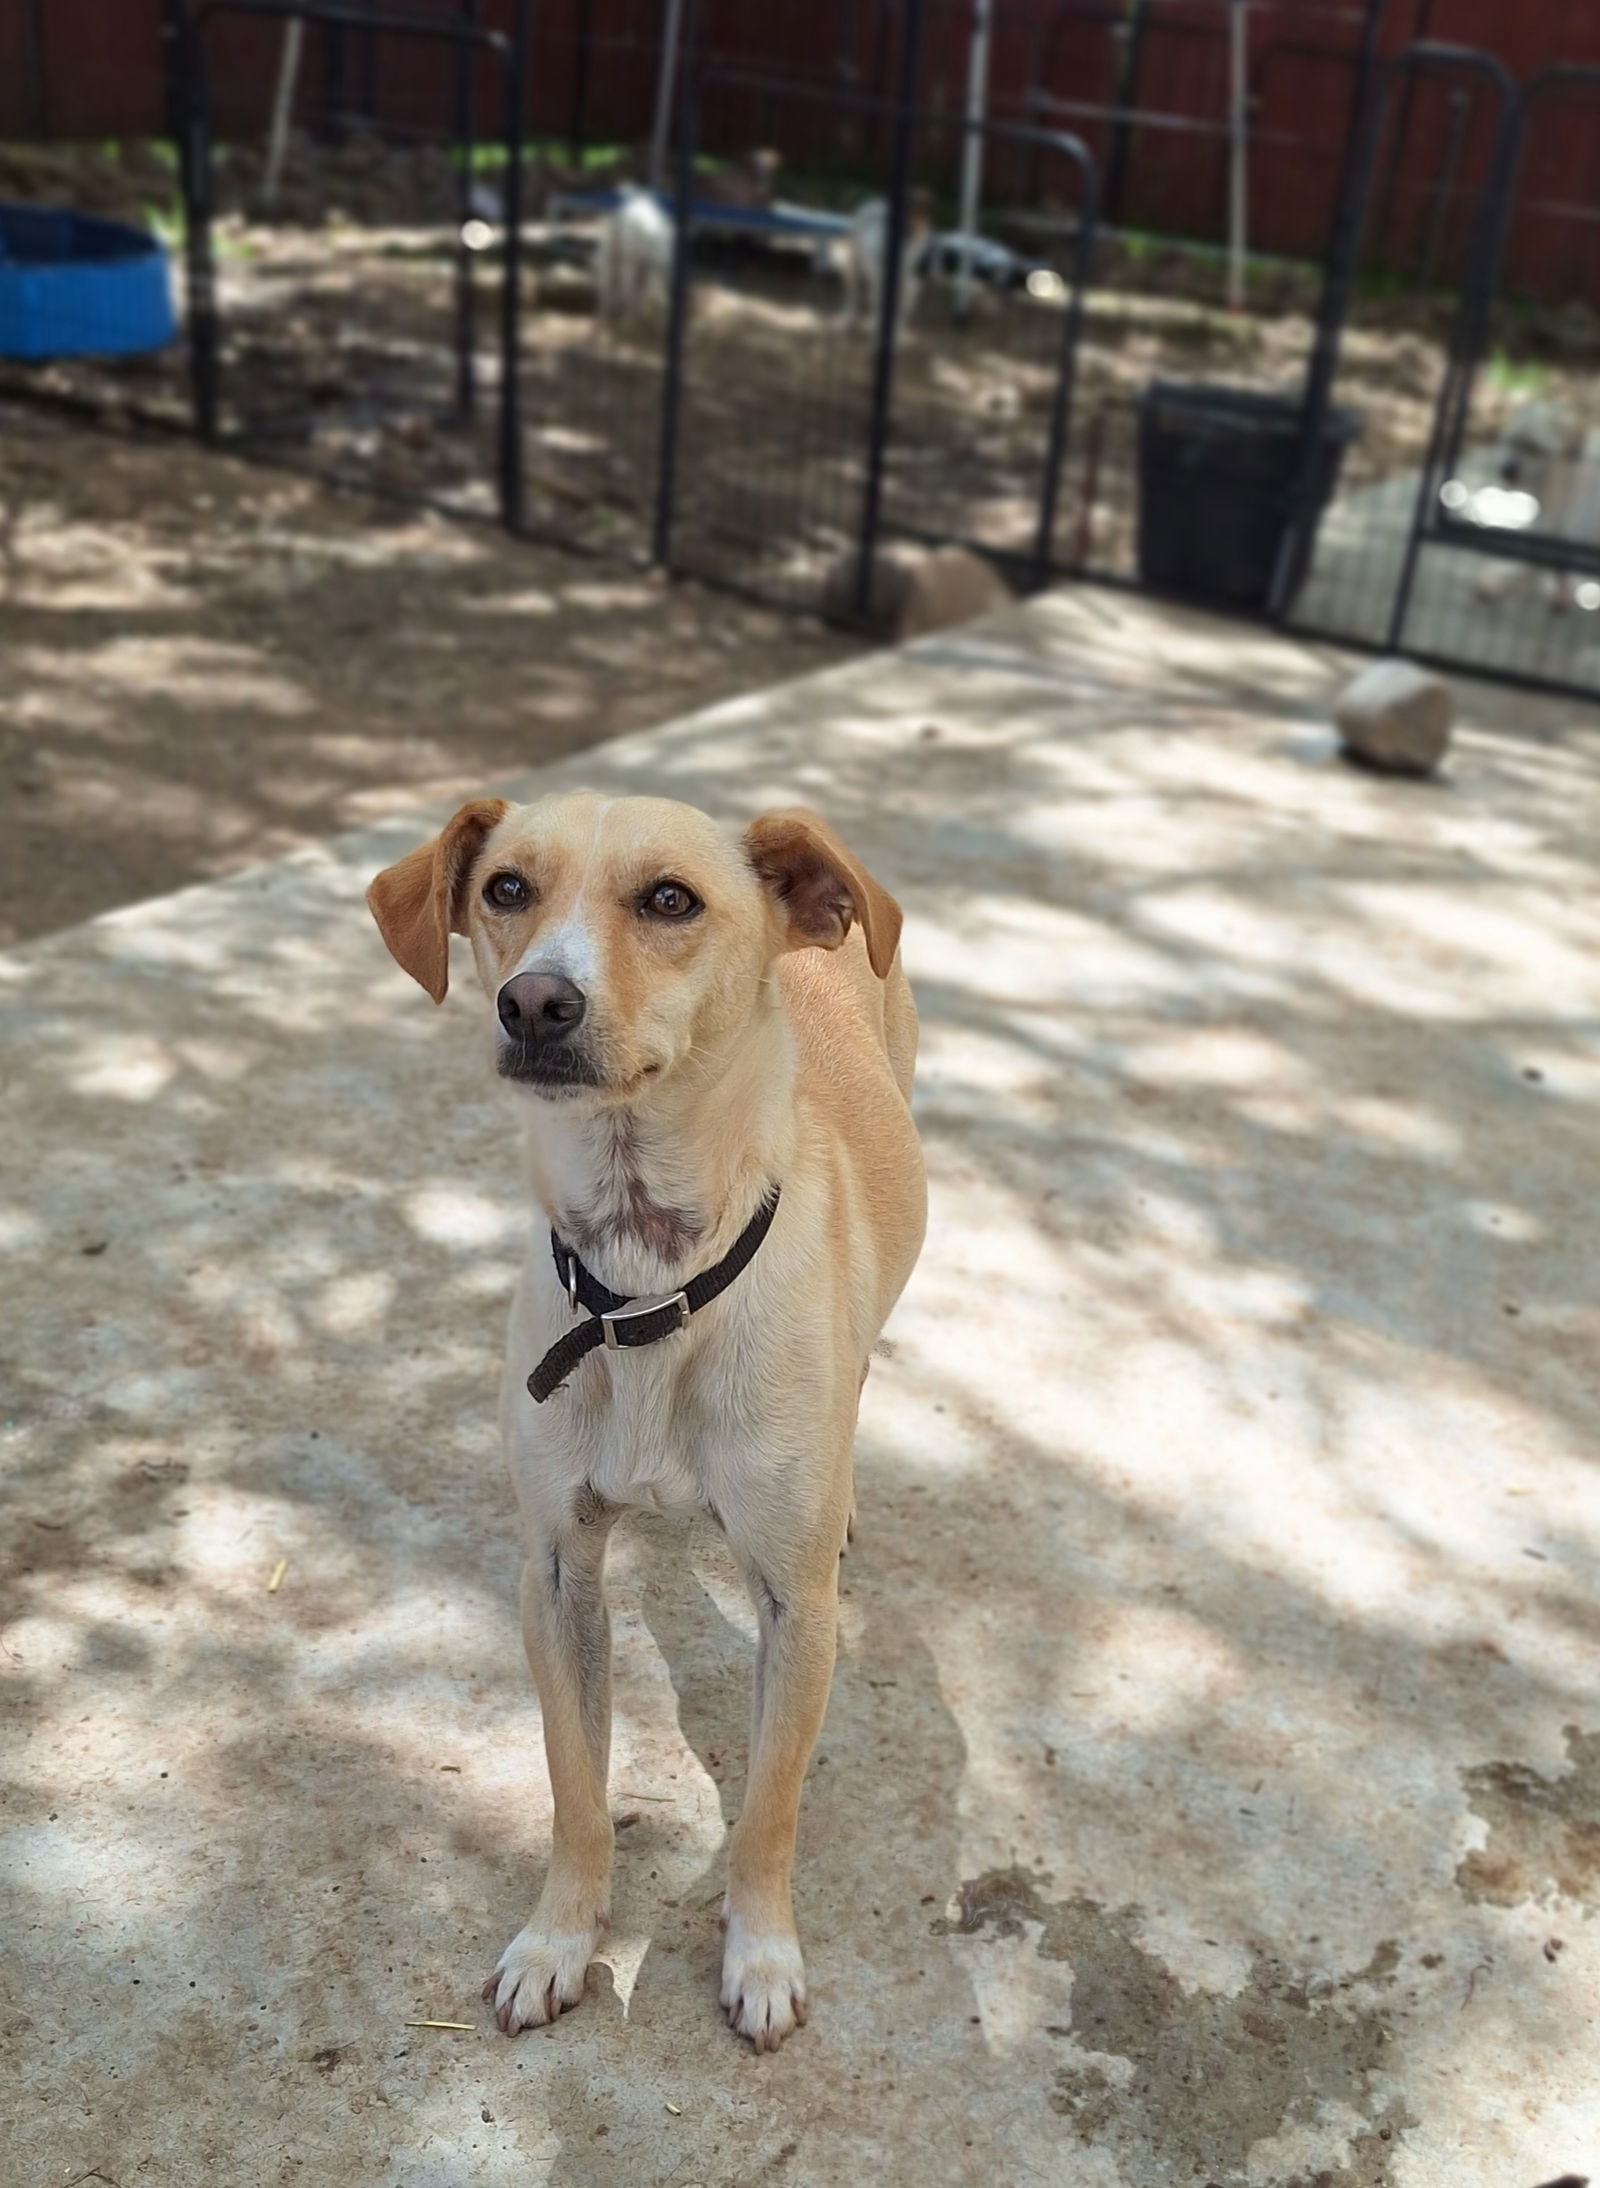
(819,887)
(418,902)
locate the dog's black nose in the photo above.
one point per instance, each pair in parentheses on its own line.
(539,1006)
(1511,470)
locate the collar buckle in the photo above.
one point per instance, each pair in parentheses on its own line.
(636,1310)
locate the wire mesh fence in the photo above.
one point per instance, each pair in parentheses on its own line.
(1467,527)
(339,257)
(1134,239)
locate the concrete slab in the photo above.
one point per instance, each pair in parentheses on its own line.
(1211,1790)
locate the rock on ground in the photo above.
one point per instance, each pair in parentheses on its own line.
(916,590)
(1395,716)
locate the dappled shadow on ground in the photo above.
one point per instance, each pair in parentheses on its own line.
(1227,1492)
(209,662)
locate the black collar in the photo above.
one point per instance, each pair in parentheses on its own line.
(620,1322)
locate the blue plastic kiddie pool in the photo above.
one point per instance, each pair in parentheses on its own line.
(72,285)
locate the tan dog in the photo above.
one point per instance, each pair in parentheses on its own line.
(685,1047)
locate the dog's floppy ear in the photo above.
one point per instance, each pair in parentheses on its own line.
(418,902)
(819,887)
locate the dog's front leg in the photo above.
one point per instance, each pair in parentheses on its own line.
(567,1634)
(763,1975)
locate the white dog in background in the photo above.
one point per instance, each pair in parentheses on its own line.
(866,256)
(633,262)
(1546,455)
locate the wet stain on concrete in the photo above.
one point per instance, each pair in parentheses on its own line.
(1192,2081)
(1544,1833)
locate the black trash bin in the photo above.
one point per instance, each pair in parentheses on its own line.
(1218,468)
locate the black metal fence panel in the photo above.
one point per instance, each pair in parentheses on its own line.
(366,335)
(1467,528)
(803,313)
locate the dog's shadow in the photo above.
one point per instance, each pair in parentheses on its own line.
(878,1845)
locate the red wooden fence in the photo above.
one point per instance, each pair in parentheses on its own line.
(94,69)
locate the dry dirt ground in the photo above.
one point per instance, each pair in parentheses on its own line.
(206,662)
(336,354)
(228,661)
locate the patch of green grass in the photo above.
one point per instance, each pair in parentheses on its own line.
(1381,282)
(1512,379)
(488,159)
(165,223)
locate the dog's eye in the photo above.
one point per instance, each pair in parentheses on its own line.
(671,900)
(506,892)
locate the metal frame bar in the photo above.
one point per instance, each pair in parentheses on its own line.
(1344,249)
(1039,561)
(1431,524)
(1365,174)
(35,70)
(1446,182)
(677,326)
(1071,336)
(184,28)
(911,45)
(466,287)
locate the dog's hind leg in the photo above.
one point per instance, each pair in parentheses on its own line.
(567,1634)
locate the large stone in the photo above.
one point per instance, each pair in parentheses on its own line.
(916,590)
(1395,716)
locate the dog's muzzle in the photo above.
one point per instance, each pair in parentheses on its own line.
(541,1014)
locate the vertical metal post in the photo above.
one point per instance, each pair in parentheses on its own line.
(666,91)
(1129,37)
(889,303)
(1238,146)
(466,123)
(38,80)
(511,499)
(973,146)
(578,120)
(335,80)
(1071,332)
(1466,343)
(173,66)
(294,32)
(368,48)
(1093,456)
(677,327)
(1444,188)
(1344,249)
(191,126)
(1422,24)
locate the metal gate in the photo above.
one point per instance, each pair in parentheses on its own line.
(763,433)
(1484,552)
(800,431)
(290,356)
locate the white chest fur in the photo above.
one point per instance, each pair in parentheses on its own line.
(632,1426)
(640,1454)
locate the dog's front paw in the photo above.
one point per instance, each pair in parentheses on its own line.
(763,1983)
(541,1974)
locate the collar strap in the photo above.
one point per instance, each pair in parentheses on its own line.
(620,1322)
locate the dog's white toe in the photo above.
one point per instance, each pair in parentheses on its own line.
(541,1974)
(763,1983)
